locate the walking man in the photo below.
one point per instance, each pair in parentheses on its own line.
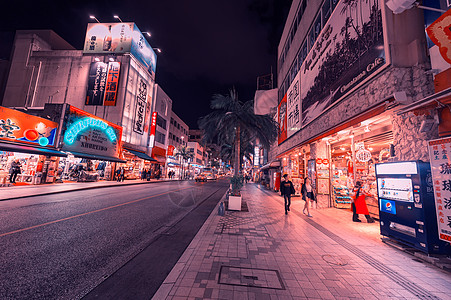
(286,190)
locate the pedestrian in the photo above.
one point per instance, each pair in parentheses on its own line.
(286,190)
(359,204)
(143,174)
(121,176)
(308,195)
(14,170)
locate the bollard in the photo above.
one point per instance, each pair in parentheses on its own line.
(221,209)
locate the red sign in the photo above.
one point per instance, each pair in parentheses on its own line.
(112,83)
(320,161)
(282,119)
(440,33)
(171,150)
(153,127)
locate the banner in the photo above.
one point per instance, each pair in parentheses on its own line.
(349,49)
(439,154)
(89,134)
(96,83)
(112,83)
(170,151)
(140,108)
(282,119)
(153,129)
(294,106)
(19,127)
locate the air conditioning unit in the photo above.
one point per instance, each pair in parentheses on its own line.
(398,6)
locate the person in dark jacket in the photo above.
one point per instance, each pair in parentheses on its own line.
(286,190)
(308,195)
(15,169)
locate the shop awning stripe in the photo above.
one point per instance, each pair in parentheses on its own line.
(141,155)
(30,150)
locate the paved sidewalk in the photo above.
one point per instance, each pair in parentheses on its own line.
(265,254)
(23,191)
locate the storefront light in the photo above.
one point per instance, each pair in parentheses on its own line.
(97,59)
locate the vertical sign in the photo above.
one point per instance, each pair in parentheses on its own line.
(282,119)
(140,108)
(439,153)
(256,156)
(112,82)
(153,126)
(294,106)
(96,83)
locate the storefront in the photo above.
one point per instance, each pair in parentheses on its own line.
(28,141)
(137,163)
(93,144)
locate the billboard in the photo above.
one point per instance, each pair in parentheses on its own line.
(140,107)
(294,106)
(118,38)
(112,83)
(349,50)
(282,119)
(153,127)
(89,134)
(19,127)
(96,83)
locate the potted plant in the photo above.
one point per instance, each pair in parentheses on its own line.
(236,183)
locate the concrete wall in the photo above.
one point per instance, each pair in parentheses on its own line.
(162,104)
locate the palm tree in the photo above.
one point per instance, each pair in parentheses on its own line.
(184,154)
(233,119)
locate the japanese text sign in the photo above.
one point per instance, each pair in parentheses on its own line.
(439,152)
(153,127)
(294,106)
(16,126)
(140,109)
(112,83)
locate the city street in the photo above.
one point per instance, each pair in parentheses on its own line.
(63,245)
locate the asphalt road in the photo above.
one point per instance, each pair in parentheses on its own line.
(108,243)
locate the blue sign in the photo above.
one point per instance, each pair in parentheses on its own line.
(79,126)
(388,206)
(142,51)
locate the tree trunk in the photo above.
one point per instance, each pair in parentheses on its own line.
(237,150)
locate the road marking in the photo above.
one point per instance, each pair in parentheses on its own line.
(89,212)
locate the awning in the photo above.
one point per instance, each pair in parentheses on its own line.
(97,157)
(436,98)
(141,155)
(273,165)
(173,164)
(31,150)
(160,159)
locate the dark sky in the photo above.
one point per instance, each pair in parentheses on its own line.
(208,46)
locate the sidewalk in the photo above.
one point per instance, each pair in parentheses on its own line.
(265,254)
(24,191)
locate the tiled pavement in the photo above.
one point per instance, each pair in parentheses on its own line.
(265,254)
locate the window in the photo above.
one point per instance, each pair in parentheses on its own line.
(199,161)
(160,137)
(191,150)
(199,152)
(170,136)
(161,122)
(327,10)
(177,139)
(178,126)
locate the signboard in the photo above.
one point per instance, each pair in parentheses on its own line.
(89,134)
(256,156)
(440,33)
(439,154)
(170,150)
(112,83)
(153,127)
(348,51)
(96,83)
(140,107)
(19,127)
(294,106)
(282,119)
(120,38)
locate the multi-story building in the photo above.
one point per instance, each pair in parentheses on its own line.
(178,132)
(349,75)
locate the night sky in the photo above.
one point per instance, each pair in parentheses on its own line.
(208,46)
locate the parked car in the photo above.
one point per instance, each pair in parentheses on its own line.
(200,177)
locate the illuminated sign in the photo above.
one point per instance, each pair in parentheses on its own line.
(171,150)
(19,127)
(256,156)
(153,126)
(90,134)
(120,38)
(282,119)
(96,83)
(140,108)
(112,83)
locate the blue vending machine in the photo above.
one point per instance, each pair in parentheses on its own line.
(407,207)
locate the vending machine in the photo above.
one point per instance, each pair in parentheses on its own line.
(407,206)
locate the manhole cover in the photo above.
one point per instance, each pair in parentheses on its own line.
(334,260)
(263,278)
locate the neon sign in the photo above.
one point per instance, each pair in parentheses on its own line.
(75,129)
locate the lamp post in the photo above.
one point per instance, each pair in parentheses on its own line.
(157,49)
(117,17)
(147,33)
(94,18)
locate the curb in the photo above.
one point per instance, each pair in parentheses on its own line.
(86,188)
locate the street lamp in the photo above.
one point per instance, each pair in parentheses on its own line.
(157,49)
(117,17)
(147,33)
(94,18)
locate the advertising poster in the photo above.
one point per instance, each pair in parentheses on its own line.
(112,83)
(294,106)
(108,38)
(86,133)
(439,154)
(19,127)
(282,120)
(140,107)
(141,49)
(153,128)
(170,151)
(349,50)
(96,83)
